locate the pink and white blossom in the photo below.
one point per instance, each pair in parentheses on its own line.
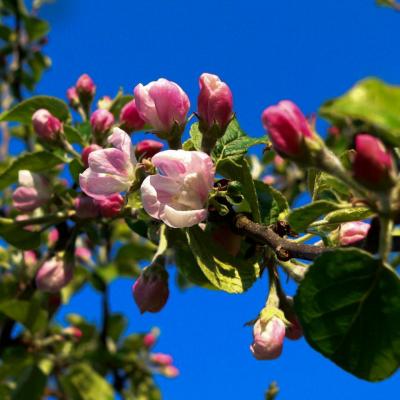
(178,194)
(110,170)
(101,121)
(162,104)
(352,232)
(53,275)
(33,192)
(268,339)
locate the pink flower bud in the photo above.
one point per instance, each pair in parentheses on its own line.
(110,206)
(72,96)
(287,128)
(86,151)
(215,102)
(53,275)
(33,192)
(269,179)
(170,371)
(30,258)
(85,86)
(105,103)
(86,207)
(352,232)
(294,331)
(83,254)
(268,339)
(163,105)
(151,291)
(101,121)
(53,237)
(149,340)
(161,359)
(178,194)
(147,148)
(72,331)
(46,125)
(129,117)
(373,163)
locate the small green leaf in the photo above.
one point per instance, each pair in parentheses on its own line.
(372,102)
(35,27)
(34,162)
(300,218)
(23,111)
(349,308)
(224,271)
(326,185)
(73,135)
(82,382)
(28,313)
(348,215)
(273,204)
(117,324)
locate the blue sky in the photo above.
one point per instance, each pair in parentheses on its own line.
(267,50)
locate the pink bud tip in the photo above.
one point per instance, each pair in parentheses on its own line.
(170,371)
(268,339)
(147,148)
(110,206)
(46,125)
(53,237)
(86,207)
(287,128)
(85,85)
(373,163)
(352,232)
(105,103)
(72,96)
(53,275)
(161,359)
(129,117)
(149,340)
(101,121)
(73,331)
(150,292)
(86,151)
(215,102)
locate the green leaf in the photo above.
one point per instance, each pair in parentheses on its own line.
(73,135)
(75,168)
(300,218)
(23,111)
(130,254)
(348,215)
(118,104)
(28,313)
(349,308)
(20,237)
(239,170)
(30,385)
(34,162)
(273,204)
(371,101)
(117,324)
(82,382)
(224,271)
(6,33)
(326,185)
(35,27)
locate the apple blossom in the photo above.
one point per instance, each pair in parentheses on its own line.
(46,125)
(110,170)
(86,151)
(178,193)
(268,339)
(287,128)
(33,192)
(163,105)
(85,86)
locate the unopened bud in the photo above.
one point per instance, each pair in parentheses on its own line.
(161,359)
(53,275)
(149,340)
(73,98)
(147,148)
(46,125)
(85,86)
(104,103)
(72,331)
(101,121)
(130,119)
(352,232)
(110,206)
(373,163)
(151,291)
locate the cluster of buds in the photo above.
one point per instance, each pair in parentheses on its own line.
(48,127)
(163,364)
(107,206)
(150,290)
